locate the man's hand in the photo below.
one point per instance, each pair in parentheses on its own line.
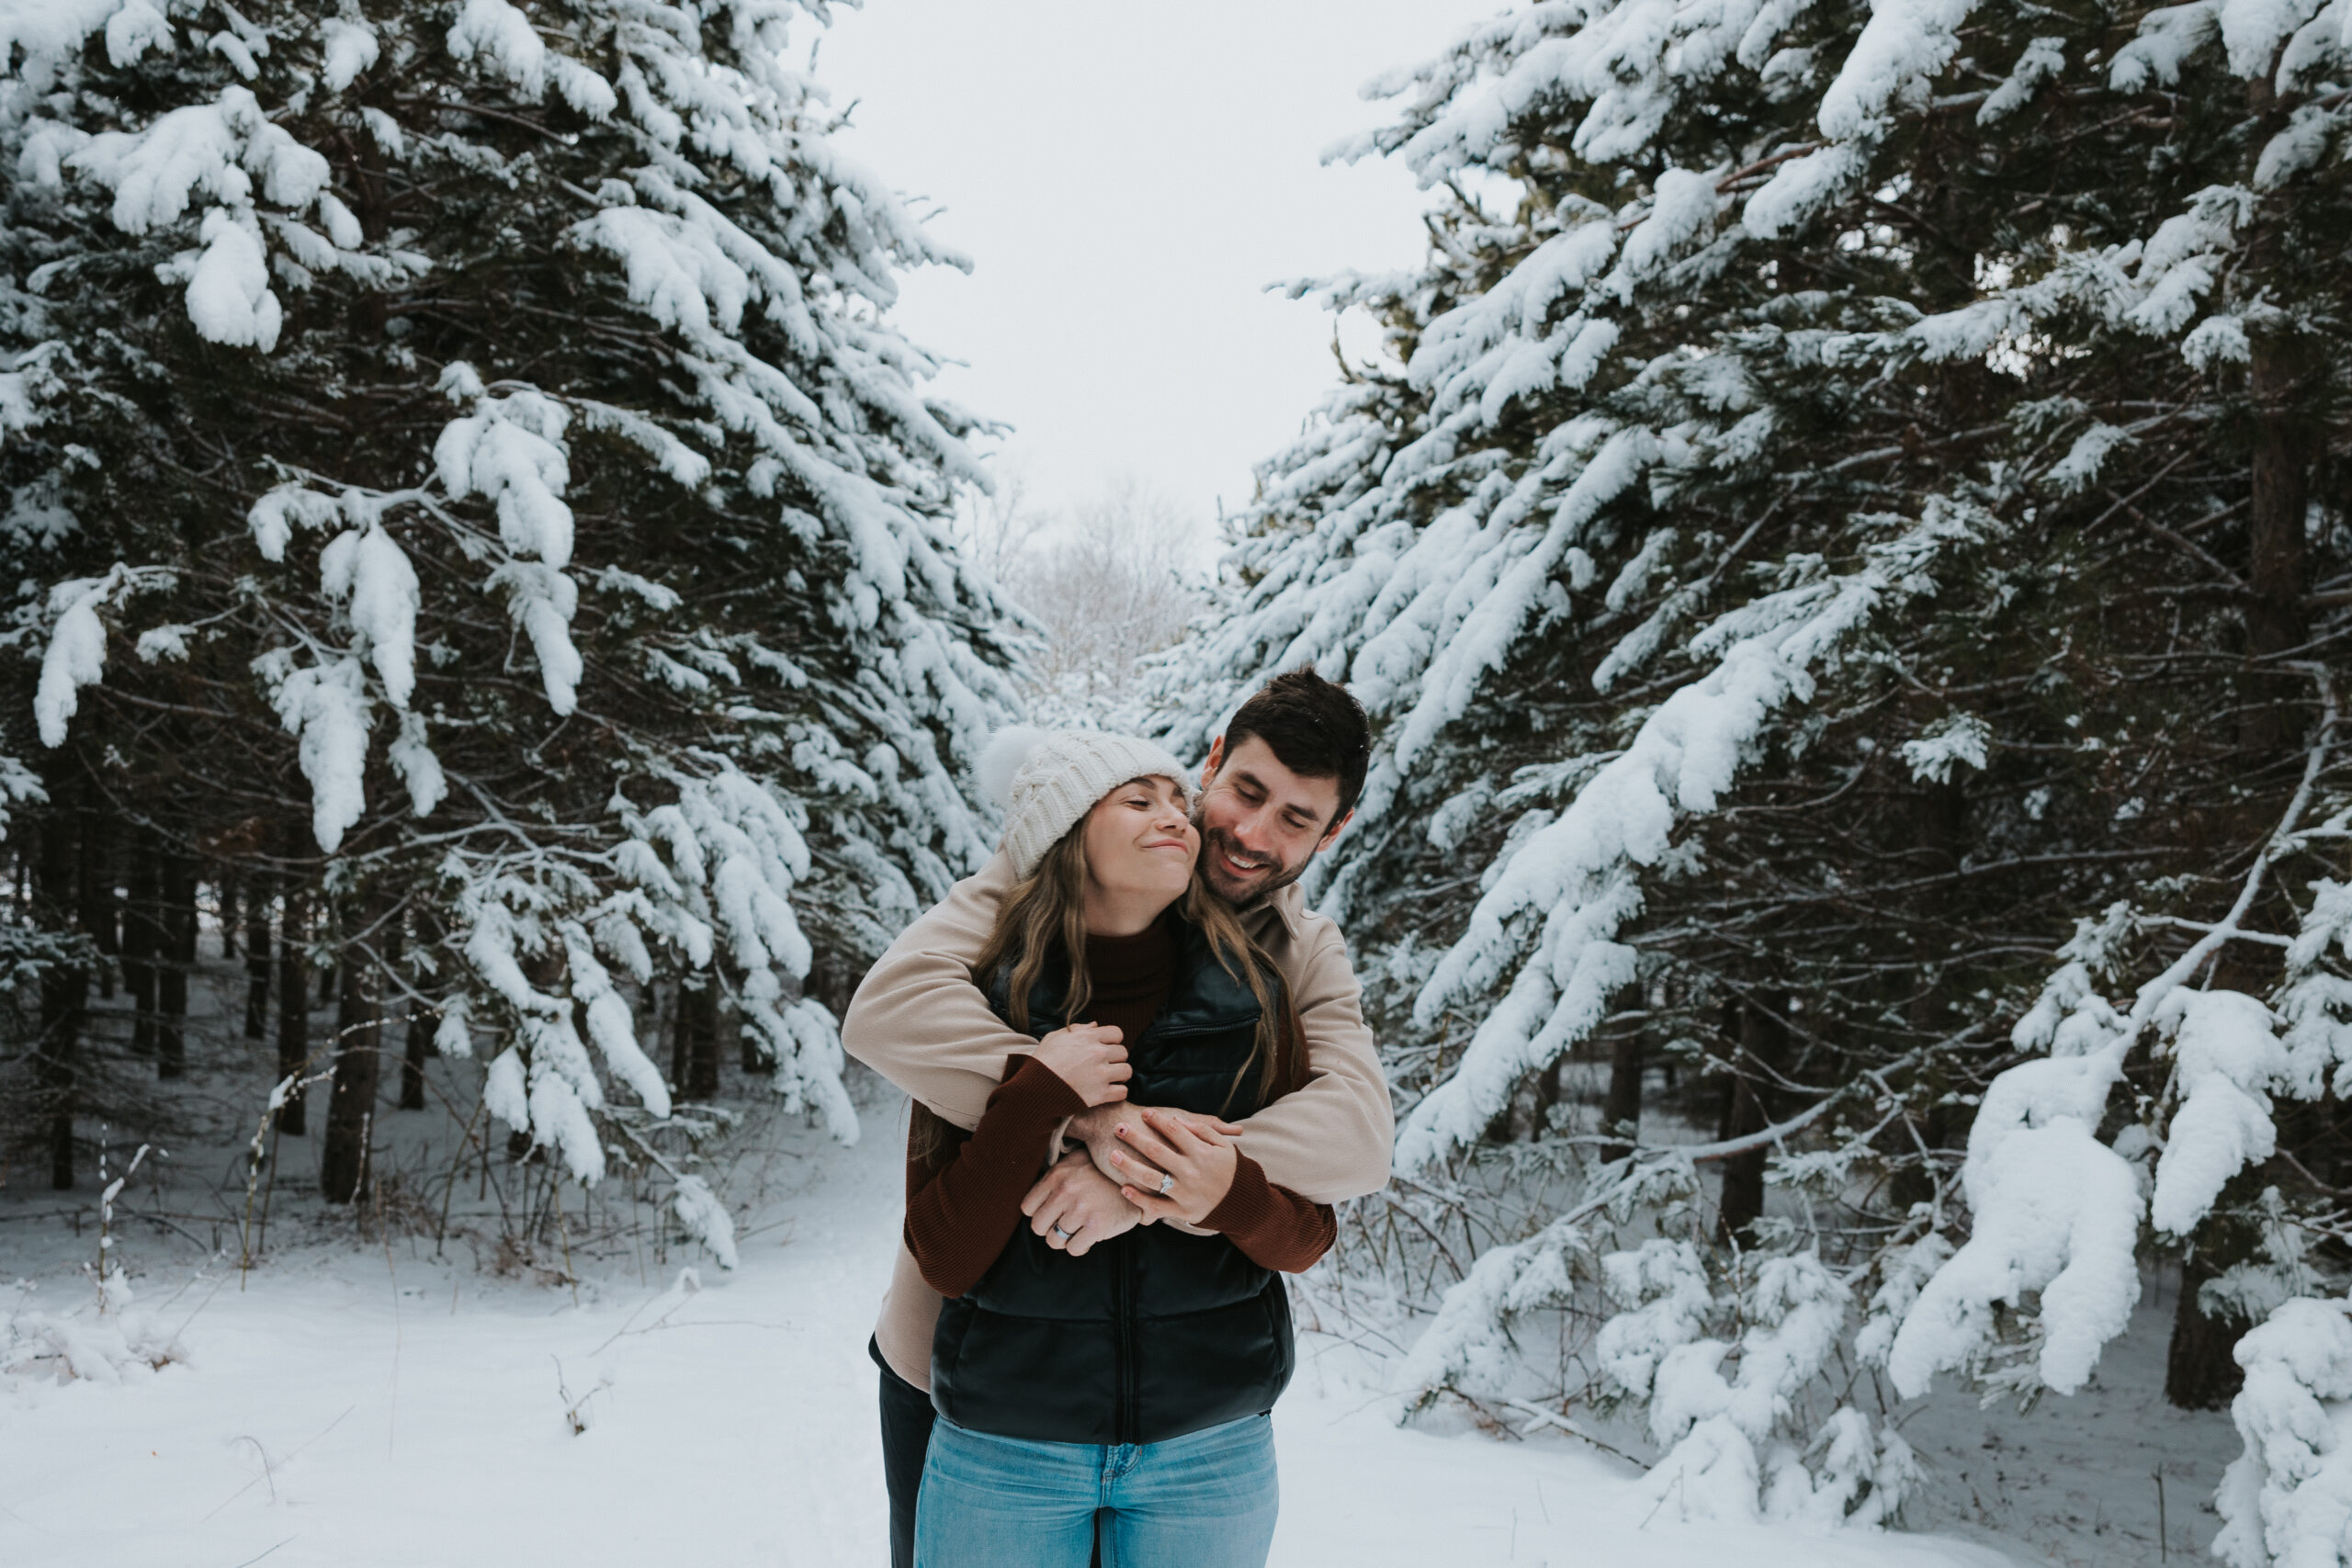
(1090,1058)
(1073,1206)
(1196,1161)
(1137,1158)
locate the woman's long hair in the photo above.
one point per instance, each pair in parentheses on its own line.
(1045,913)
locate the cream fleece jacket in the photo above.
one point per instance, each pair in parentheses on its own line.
(920,1022)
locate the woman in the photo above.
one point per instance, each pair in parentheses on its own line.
(1132,1379)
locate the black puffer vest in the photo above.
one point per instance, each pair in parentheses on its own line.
(1153,1334)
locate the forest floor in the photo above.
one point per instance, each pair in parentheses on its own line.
(357,1401)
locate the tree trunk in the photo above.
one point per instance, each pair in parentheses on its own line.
(703,1084)
(2276,621)
(142,938)
(2202,1370)
(64,992)
(178,878)
(258,957)
(293,1016)
(1763,1049)
(695,1057)
(681,1050)
(1547,1093)
(101,911)
(416,1036)
(228,888)
(359,1058)
(421,1025)
(1935,844)
(1621,1109)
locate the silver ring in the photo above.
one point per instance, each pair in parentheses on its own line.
(1063,1233)
(1167,1181)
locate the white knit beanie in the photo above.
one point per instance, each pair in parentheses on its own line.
(1047,780)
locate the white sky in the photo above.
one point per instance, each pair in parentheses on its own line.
(1127,179)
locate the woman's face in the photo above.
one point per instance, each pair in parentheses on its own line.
(1140,845)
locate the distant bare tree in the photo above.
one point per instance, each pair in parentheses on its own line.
(995,531)
(1109,584)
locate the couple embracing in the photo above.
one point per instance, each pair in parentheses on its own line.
(1141,1078)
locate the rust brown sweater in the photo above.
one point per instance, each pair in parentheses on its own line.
(964,1200)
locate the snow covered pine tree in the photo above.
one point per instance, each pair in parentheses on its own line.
(489,412)
(1849,498)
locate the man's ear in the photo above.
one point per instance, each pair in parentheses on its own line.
(1216,760)
(1325,841)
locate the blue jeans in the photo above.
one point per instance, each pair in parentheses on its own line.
(1205,1500)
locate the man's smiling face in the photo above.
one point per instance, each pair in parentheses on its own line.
(1259,822)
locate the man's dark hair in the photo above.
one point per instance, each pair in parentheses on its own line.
(1312,726)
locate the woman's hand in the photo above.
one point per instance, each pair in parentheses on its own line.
(1097,1128)
(1197,1162)
(1091,1058)
(1074,1206)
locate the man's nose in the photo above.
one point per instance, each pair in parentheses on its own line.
(1253,832)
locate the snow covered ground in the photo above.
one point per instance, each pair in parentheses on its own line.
(369,1406)
(2073,1480)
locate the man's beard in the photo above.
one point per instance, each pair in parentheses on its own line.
(1214,842)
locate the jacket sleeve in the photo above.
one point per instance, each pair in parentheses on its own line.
(1329,1139)
(917,1020)
(961,1211)
(1273,1227)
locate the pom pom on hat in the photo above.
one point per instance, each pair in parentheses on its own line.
(1047,780)
(1002,757)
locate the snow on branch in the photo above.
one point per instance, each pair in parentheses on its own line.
(2286,1499)
(2053,1211)
(723,388)
(76,654)
(1579,875)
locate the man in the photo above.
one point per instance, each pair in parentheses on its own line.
(1276,789)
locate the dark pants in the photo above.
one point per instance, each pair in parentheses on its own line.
(907,1417)
(906,1438)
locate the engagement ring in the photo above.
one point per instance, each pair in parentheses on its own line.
(1166,1181)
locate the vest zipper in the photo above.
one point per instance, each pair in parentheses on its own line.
(1124,1422)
